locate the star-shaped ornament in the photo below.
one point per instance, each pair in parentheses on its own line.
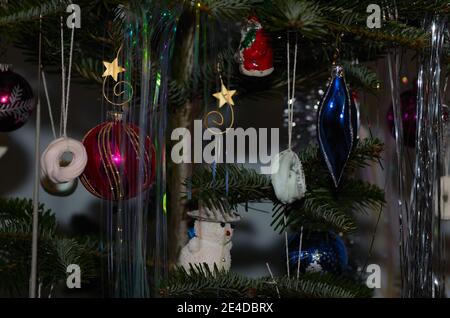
(225,96)
(112,69)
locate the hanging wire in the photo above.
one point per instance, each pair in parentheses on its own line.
(65,90)
(34,244)
(63,79)
(69,75)
(50,113)
(290,107)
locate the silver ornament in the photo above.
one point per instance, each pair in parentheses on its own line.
(59,189)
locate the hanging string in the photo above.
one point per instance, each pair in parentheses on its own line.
(63,80)
(289,89)
(286,244)
(52,122)
(226,181)
(69,75)
(299,253)
(65,94)
(291,92)
(34,244)
(290,107)
(273,280)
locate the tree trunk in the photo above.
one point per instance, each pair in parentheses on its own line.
(180,116)
(178,202)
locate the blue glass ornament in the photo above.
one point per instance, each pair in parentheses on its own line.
(323,252)
(335,125)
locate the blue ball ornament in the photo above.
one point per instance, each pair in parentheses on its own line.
(323,252)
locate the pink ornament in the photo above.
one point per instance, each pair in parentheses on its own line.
(16,100)
(409,117)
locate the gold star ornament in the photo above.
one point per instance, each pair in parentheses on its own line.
(225,96)
(113,69)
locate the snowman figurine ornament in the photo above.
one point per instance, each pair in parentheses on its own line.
(211,243)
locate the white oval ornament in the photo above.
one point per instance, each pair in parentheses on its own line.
(288,178)
(51,157)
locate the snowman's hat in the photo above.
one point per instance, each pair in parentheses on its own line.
(213,215)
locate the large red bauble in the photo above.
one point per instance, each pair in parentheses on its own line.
(113,168)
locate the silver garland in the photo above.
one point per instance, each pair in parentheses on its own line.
(393,67)
(424,277)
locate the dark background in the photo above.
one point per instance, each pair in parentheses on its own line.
(255,242)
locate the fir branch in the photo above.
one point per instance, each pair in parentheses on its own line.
(25,10)
(323,206)
(327,208)
(57,252)
(227,9)
(244,185)
(204,283)
(16,215)
(89,69)
(248,186)
(304,16)
(359,75)
(391,33)
(360,196)
(66,251)
(364,153)
(312,213)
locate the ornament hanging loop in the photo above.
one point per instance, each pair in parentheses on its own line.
(119,88)
(337,48)
(219,70)
(225,98)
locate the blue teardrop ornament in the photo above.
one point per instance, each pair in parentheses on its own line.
(335,125)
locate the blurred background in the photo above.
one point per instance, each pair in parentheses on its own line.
(255,242)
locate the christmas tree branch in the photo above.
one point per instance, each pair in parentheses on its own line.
(26,10)
(244,185)
(323,205)
(58,252)
(227,9)
(202,283)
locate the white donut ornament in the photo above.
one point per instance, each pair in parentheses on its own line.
(51,160)
(288,178)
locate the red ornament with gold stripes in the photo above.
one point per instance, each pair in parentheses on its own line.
(114,170)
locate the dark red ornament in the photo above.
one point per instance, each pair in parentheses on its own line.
(409,117)
(255,51)
(113,168)
(16,100)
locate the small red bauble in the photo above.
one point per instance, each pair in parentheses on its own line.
(113,168)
